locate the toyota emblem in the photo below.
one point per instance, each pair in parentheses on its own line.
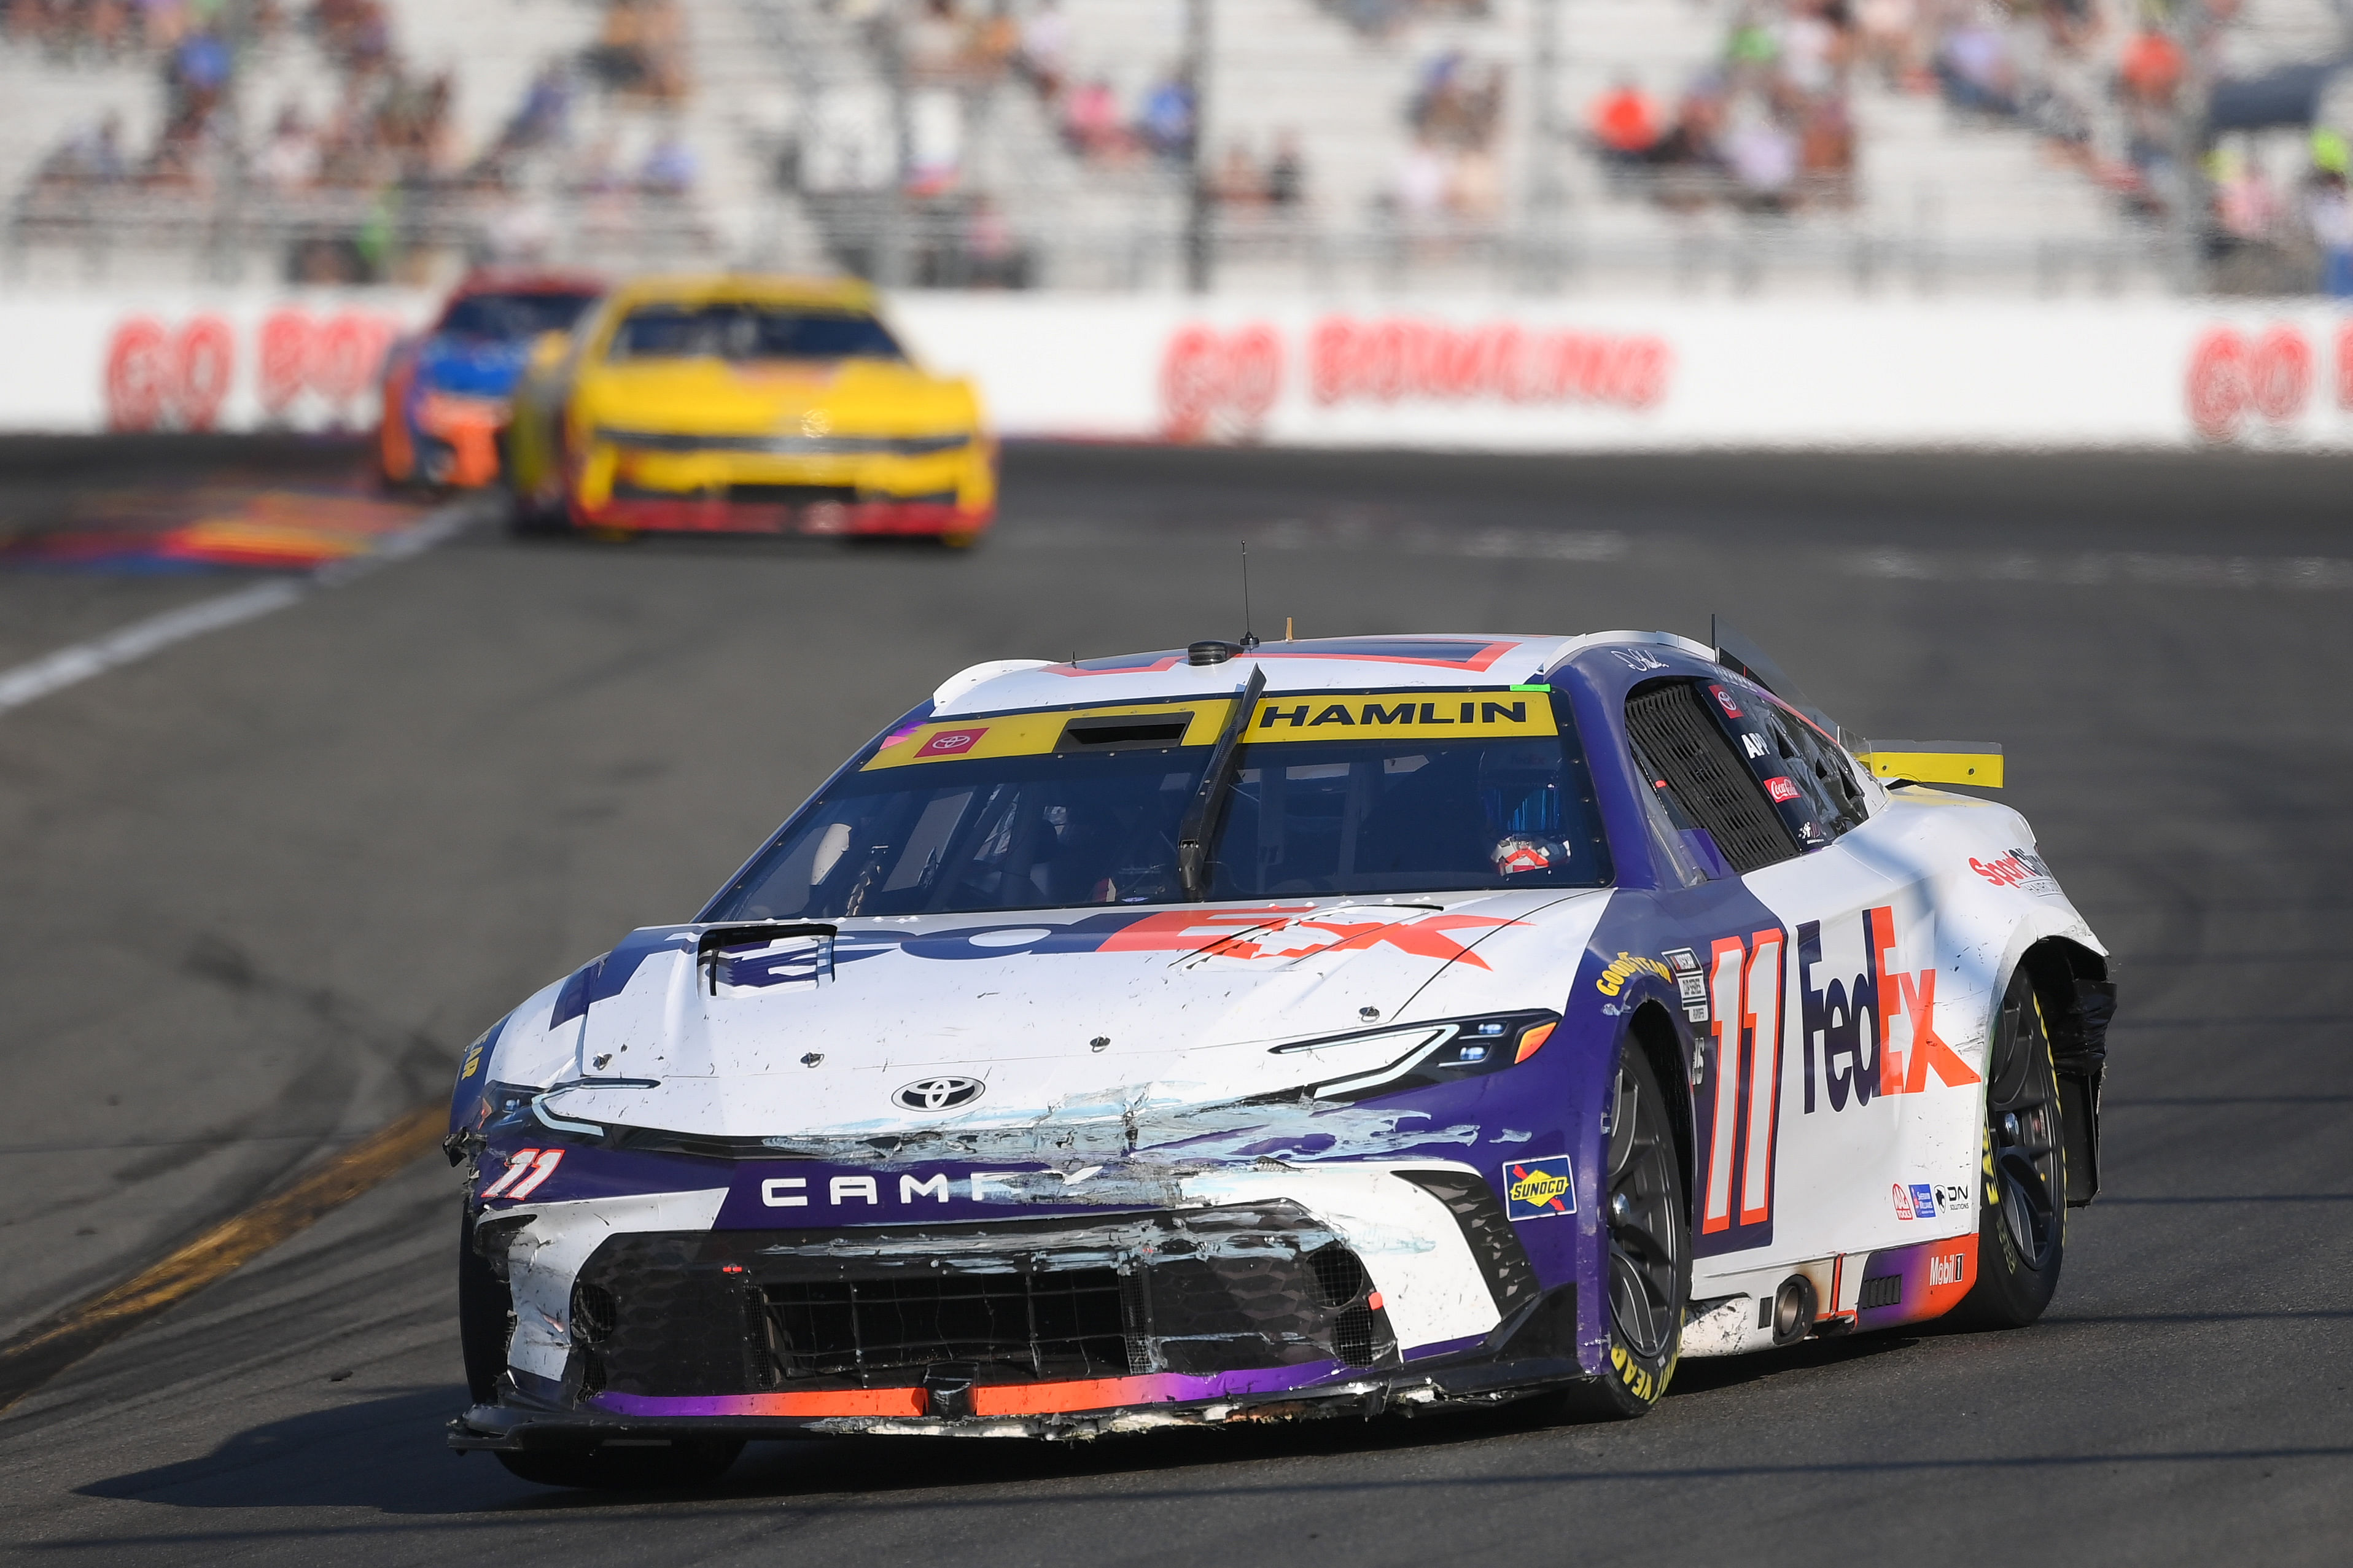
(937,1093)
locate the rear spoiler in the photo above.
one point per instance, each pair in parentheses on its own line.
(1977,763)
(1932,762)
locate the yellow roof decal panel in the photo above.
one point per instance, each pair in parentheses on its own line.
(1422,715)
(1418,715)
(1036,733)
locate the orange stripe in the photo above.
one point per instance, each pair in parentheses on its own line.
(1047,1398)
(848,1402)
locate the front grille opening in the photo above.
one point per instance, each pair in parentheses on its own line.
(594,1313)
(1339,1276)
(1352,1336)
(1064,1323)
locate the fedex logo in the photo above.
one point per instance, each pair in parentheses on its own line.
(1851,1025)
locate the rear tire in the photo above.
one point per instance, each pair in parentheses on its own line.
(2023,1179)
(1647,1225)
(688,1462)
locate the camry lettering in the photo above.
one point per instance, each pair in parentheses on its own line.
(860,1187)
(784,1193)
(935,1186)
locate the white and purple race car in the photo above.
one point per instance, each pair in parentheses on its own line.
(1262,1031)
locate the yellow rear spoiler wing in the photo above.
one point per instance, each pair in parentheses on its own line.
(1975,762)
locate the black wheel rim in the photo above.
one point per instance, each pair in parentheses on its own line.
(1641,1210)
(2023,1124)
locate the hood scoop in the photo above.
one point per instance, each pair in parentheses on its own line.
(760,960)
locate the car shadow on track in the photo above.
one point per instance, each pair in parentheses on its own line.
(386,1456)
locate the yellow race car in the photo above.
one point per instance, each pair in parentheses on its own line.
(746,405)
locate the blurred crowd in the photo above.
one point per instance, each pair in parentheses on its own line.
(1769,124)
(386,128)
(1448,170)
(1381,18)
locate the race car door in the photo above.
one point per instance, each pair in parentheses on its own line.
(1801,1142)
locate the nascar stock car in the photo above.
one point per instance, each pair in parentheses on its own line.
(753,405)
(447,391)
(1258,1031)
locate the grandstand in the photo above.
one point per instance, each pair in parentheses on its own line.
(1613,145)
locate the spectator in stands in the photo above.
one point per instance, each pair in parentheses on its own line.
(289,161)
(1238,182)
(670,168)
(1419,189)
(1286,175)
(1626,123)
(1887,41)
(2246,206)
(1045,53)
(92,156)
(1092,122)
(545,115)
(1762,156)
(2328,214)
(1165,121)
(1975,66)
(931,42)
(2150,69)
(1826,147)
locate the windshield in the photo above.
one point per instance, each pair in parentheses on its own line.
(1065,826)
(510,318)
(749,331)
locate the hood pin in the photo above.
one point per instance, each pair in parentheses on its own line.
(812,1059)
(1099,1042)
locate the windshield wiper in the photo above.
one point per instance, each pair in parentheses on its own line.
(1210,801)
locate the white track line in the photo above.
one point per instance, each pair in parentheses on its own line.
(70,666)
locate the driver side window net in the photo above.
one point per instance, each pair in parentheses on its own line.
(1704,776)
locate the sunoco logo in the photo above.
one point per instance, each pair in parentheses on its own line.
(1536,1188)
(937,1093)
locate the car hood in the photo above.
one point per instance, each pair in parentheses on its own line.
(715,396)
(1077,1016)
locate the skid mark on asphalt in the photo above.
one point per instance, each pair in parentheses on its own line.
(82,661)
(47,1348)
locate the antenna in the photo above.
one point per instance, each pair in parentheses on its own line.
(1249,638)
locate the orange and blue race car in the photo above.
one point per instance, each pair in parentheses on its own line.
(747,405)
(447,390)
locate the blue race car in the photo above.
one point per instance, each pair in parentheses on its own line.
(447,391)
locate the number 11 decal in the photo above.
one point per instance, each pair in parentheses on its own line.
(1742,1103)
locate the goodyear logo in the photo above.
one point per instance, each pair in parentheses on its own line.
(1624,967)
(1535,1189)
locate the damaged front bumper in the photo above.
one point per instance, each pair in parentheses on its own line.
(1074,1325)
(518,1423)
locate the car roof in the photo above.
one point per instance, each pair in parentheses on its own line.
(1438,661)
(526,280)
(835,293)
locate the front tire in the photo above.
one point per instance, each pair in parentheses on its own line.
(2022,1200)
(687,1462)
(485,1317)
(1647,1226)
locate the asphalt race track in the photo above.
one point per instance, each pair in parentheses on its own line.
(257,890)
